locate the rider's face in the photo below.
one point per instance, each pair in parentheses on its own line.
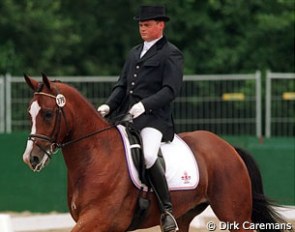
(151,29)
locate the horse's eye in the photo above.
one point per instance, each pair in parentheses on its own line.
(48,114)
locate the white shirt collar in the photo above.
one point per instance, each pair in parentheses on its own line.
(148,44)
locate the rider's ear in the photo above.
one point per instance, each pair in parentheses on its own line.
(31,82)
(46,80)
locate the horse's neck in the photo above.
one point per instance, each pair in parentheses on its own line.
(81,156)
(87,122)
(84,118)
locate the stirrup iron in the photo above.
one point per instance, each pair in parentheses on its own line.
(172,217)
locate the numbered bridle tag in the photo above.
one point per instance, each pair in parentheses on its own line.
(60,100)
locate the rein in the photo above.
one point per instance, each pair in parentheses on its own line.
(126,118)
(54,146)
(62,145)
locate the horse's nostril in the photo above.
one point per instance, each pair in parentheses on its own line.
(34,160)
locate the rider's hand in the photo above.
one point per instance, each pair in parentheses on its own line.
(137,109)
(103,110)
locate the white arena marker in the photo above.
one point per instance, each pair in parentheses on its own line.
(5,223)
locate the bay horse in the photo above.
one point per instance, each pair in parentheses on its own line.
(101,196)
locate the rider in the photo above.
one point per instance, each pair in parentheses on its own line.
(150,80)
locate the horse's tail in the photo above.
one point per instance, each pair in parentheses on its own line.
(263,211)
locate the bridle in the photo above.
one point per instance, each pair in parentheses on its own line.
(52,139)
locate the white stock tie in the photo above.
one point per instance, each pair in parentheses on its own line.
(144,50)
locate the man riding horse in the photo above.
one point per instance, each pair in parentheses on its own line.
(149,82)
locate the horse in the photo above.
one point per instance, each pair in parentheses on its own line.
(101,196)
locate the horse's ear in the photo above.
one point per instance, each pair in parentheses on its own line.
(31,82)
(46,80)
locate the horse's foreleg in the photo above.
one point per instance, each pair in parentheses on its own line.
(91,226)
(103,221)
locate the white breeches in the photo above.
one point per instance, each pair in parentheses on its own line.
(151,139)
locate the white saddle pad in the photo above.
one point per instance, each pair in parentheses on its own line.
(182,171)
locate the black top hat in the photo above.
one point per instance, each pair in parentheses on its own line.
(152,12)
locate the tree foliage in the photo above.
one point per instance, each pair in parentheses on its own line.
(70,37)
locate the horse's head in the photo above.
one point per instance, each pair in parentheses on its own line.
(49,126)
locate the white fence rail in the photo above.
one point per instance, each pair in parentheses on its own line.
(280,104)
(2,103)
(224,104)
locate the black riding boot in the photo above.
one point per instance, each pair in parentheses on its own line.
(160,187)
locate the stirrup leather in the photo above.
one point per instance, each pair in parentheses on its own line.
(173,219)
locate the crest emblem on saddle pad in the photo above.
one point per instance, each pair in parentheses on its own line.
(60,100)
(186,178)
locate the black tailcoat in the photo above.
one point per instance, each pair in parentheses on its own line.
(155,80)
